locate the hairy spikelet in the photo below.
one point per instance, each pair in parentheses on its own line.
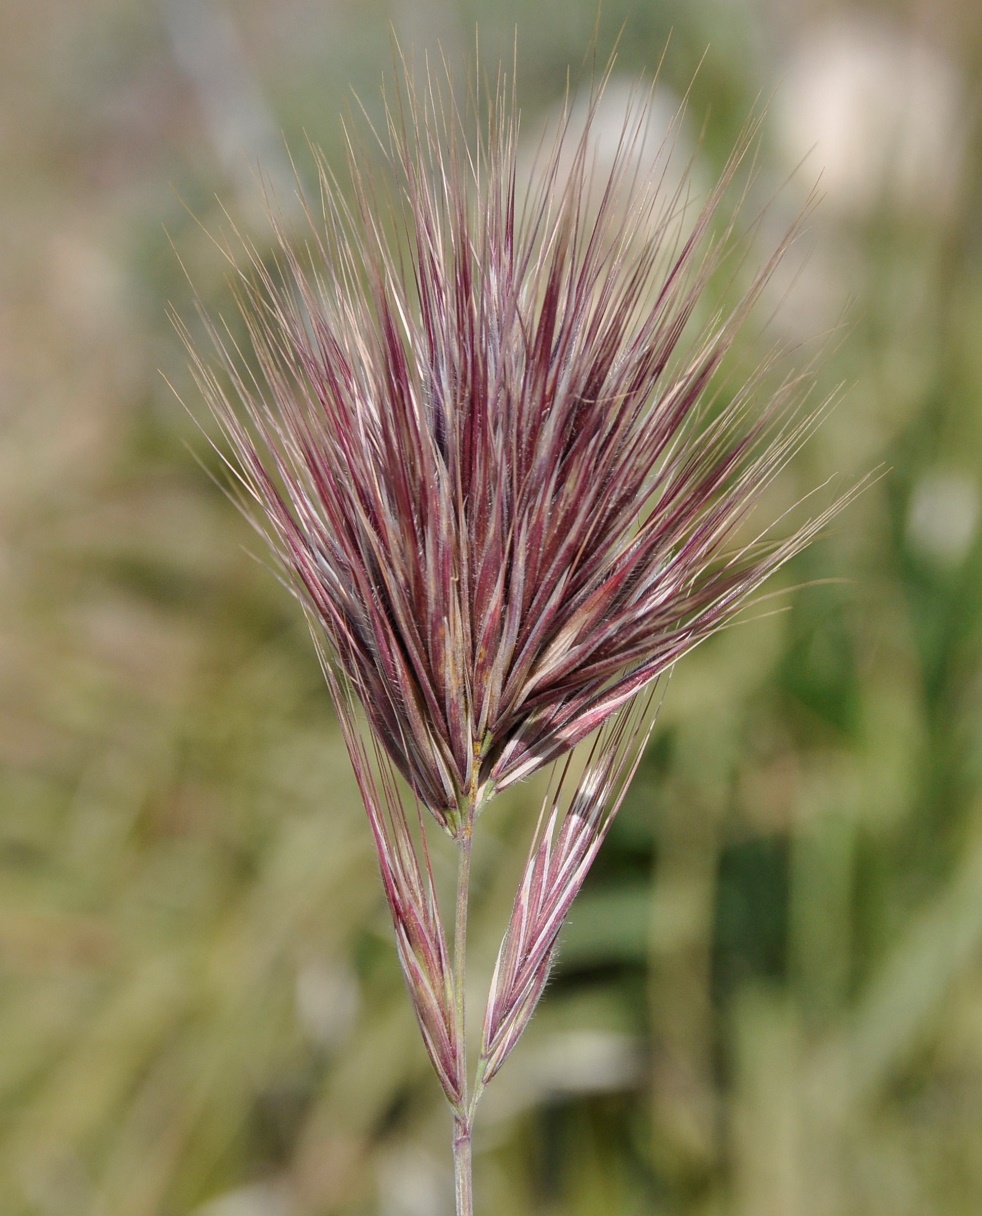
(485,423)
(572,826)
(486,439)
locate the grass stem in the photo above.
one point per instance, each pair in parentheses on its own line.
(463,1185)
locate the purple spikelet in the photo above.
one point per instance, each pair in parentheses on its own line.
(485,456)
(483,423)
(564,845)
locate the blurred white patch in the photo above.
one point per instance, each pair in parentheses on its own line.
(327,1001)
(410,1183)
(943,517)
(571,1062)
(260,1199)
(587,1061)
(879,112)
(632,126)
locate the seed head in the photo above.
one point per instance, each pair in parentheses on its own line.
(483,424)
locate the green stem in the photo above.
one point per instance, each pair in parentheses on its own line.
(462,1116)
(463,1184)
(460,943)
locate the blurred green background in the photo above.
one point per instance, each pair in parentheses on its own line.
(769,997)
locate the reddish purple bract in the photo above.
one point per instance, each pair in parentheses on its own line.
(505,489)
(484,426)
